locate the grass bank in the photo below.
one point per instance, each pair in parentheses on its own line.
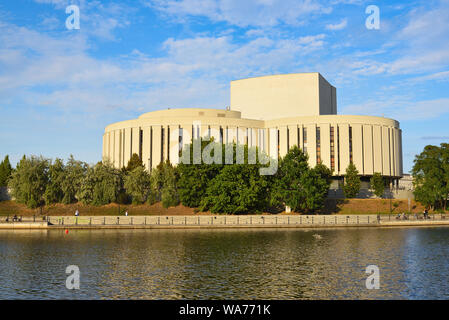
(333,206)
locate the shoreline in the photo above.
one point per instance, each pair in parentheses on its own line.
(219,222)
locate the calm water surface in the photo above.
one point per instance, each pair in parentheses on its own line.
(226,264)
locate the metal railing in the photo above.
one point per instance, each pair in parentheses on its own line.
(220,220)
(227,220)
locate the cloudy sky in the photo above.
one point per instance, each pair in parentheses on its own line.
(59,88)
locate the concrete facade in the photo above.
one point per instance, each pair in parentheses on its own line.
(304,114)
(283,96)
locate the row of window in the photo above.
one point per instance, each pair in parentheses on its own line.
(261,144)
(224,132)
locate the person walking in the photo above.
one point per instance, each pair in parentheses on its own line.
(77,213)
(126,213)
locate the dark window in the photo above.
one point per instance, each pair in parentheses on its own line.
(168,143)
(304,139)
(332,148)
(181,140)
(338,147)
(131,145)
(318,145)
(299,136)
(162,144)
(350,145)
(140,143)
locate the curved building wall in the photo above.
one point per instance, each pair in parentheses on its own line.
(373,144)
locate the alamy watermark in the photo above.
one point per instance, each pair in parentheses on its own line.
(373,20)
(212,153)
(73,280)
(72,21)
(373,280)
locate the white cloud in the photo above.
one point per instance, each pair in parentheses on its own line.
(425,36)
(242,13)
(97,19)
(193,71)
(401,108)
(438,76)
(338,26)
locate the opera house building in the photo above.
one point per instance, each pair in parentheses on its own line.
(272,113)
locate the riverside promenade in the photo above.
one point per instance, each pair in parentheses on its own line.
(220,222)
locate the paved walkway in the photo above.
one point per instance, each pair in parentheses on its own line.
(220,221)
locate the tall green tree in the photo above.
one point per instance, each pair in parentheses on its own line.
(138,184)
(85,190)
(53,191)
(445,166)
(288,186)
(431,176)
(377,184)
(315,189)
(324,172)
(74,173)
(101,185)
(352,182)
(29,181)
(5,171)
(195,176)
(238,188)
(297,185)
(165,180)
(134,162)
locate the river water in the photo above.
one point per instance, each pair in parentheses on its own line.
(226,264)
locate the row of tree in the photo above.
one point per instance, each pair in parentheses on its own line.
(219,188)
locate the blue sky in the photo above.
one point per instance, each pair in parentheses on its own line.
(59,88)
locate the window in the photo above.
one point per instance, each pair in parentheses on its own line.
(131,144)
(221,135)
(181,140)
(140,143)
(318,145)
(162,144)
(332,137)
(338,147)
(304,139)
(350,145)
(299,136)
(278,142)
(168,143)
